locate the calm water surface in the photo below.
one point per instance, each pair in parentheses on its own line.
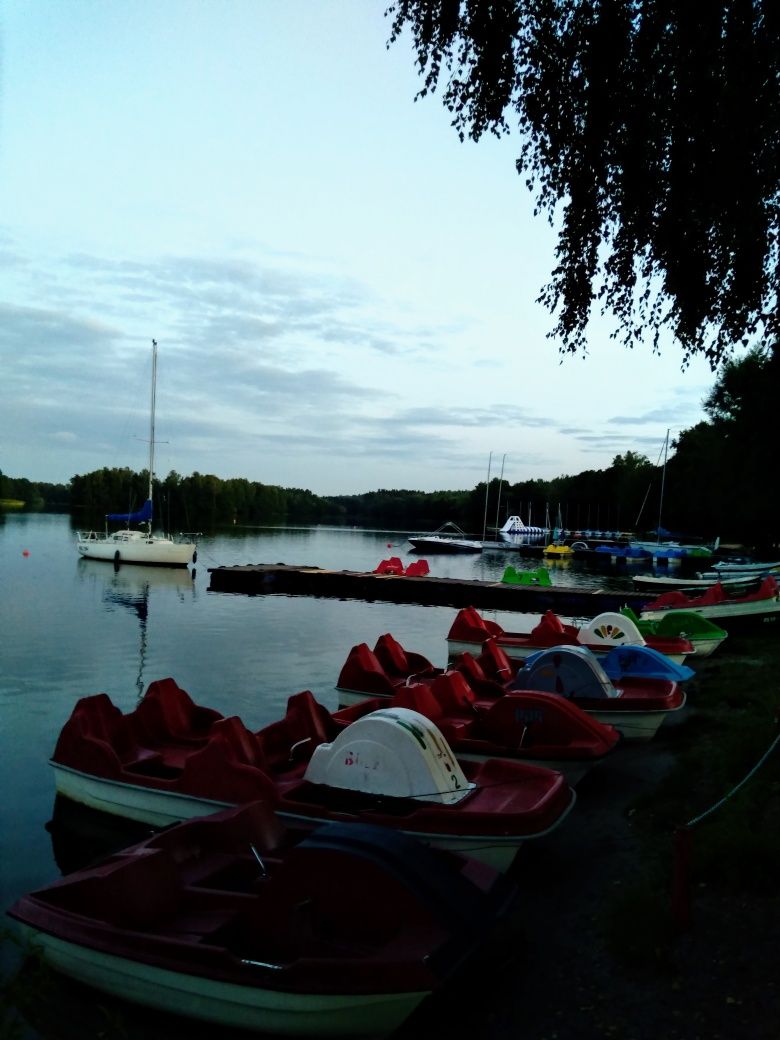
(71,627)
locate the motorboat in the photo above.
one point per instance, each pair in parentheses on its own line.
(448,538)
(744,567)
(636,707)
(130,544)
(704,634)
(609,629)
(661,582)
(170,759)
(235,920)
(731,608)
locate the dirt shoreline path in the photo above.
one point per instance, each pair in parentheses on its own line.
(551,974)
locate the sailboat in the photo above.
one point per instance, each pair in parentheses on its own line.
(663,547)
(131,545)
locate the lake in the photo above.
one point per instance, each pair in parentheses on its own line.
(72,627)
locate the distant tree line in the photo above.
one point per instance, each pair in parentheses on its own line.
(720,480)
(199,502)
(20,493)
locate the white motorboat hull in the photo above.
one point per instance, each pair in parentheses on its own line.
(755,569)
(729,615)
(154,551)
(432,544)
(162,808)
(228,1004)
(649,581)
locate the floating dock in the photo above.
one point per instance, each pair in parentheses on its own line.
(278,579)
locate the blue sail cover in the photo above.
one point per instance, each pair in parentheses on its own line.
(143,515)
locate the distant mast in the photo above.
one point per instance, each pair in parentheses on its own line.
(663,482)
(151,426)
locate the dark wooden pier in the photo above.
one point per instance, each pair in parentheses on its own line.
(281,580)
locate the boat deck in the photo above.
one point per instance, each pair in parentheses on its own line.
(280,579)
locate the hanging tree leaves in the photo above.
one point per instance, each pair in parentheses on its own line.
(650,131)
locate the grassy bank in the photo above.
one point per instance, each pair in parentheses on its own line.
(711,827)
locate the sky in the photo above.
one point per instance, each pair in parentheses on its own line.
(342,291)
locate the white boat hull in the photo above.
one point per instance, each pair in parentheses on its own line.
(761,611)
(635,725)
(162,808)
(445,545)
(521,653)
(154,551)
(755,569)
(648,581)
(131,802)
(704,646)
(228,1004)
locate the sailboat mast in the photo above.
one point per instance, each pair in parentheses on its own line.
(151,428)
(487,490)
(663,481)
(500,483)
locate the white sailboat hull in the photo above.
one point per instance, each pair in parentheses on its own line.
(135,547)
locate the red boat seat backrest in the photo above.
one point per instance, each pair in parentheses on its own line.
(102,720)
(88,739)
(291,740)
(483,686)
(392,656)
(362,671)
(453,693)
(391,566)
(166,711)
(495,662)
(549,622)
(417,569)
(307,718)
(419,697)
(214,772)
(243,744)
(711,596)
(469,666)
(470,625)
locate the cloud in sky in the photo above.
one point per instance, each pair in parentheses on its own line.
(343,293)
